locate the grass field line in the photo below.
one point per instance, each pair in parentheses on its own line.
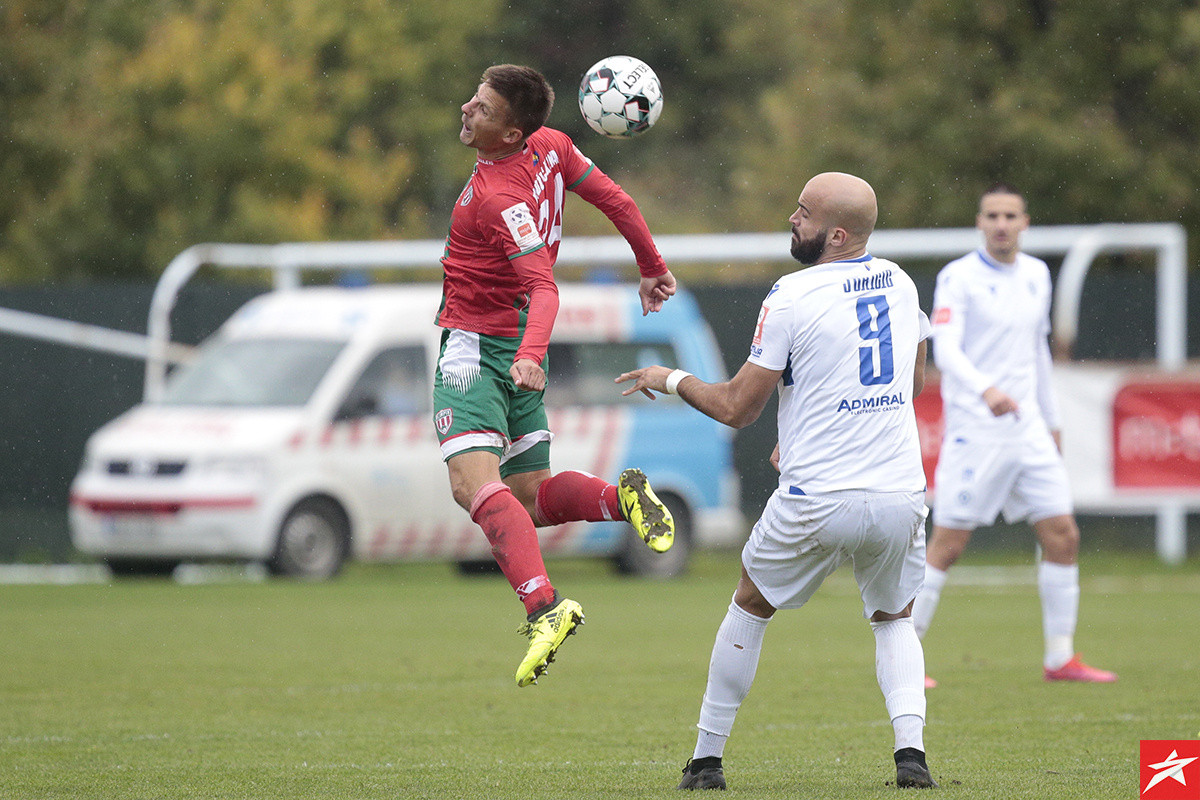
(59,574)
(987,577)
(1021,578)
(993,576)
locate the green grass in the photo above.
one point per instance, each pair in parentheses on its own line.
(396,682)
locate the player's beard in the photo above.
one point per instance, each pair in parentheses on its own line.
(809,251)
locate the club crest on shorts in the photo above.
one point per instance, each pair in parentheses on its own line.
(443,419)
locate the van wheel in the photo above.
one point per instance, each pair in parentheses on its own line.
(635,558)
(313,541)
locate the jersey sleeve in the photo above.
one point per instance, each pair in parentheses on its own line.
(771,346)
(604,193)
(949,316)
(543,307)
(509,223)
(924,329)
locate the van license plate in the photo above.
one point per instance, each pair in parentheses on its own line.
(126,527)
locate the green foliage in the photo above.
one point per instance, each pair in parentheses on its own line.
(1083,106)
(258,122)
(397,682)
(132,130)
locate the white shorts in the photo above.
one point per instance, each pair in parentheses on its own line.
(801,539)
(977,479)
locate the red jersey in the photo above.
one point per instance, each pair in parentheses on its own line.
(498,266)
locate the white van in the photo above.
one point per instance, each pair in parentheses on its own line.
(302,435)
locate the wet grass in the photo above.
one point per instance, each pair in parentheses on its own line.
(396,682)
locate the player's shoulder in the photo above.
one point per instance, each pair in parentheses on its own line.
(546,138)
(547,133)
(964,263)
(895,273)
(794,283)
(1033,264)
(960,270)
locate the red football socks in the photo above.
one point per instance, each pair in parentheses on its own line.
(572,495)
(514,542)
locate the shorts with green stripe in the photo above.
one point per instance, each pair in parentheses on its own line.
(477,406)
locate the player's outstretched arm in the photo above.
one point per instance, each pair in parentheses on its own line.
(736,402)
(656,291)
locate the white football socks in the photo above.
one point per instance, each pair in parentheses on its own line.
(900,669)
(1058,586)
(927,599)
(730,674)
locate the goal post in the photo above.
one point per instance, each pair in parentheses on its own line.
(1079,246)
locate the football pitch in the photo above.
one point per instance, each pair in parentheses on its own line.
(396,682)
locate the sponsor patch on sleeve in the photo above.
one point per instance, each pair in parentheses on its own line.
(941,316)
(758,327)
(522,226)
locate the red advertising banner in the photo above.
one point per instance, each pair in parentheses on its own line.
(1156,435)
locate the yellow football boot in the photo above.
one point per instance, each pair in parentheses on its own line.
(645,512)
(545,634)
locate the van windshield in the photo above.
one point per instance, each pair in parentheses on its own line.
(253,372)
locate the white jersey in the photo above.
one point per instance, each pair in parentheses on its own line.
(845,335)
(990,327)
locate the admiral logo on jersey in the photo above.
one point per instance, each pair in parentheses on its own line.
(869,405)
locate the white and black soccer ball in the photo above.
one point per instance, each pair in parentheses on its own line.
(620,97)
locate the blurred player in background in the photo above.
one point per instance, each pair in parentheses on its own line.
(844,342)
(1000,450)
(498,307)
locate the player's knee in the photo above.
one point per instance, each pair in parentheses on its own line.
(462,496)
(1059,537)
(748,598)
(463,489)
(946,546)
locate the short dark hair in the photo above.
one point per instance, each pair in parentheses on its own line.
(527,92)
(1001,187)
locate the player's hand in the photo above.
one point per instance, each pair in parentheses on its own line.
(775,457)
(528,376)
(647,380)
(656,291)
(1000,403)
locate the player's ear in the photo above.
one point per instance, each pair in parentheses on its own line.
(513,135)
(837,237)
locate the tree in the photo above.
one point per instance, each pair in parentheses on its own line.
(1088,108)
(132,130)
(239,121)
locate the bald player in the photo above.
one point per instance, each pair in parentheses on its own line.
(844,342)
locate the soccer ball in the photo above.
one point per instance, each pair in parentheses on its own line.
(620,97)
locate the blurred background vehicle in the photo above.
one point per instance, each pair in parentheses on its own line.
(301,435)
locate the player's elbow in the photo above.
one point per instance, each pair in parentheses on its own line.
(737,415)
